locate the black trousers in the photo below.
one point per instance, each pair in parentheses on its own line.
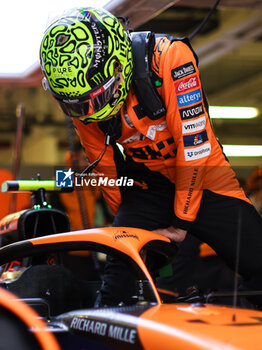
(219,223)
(206,273)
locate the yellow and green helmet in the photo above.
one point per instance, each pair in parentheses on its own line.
(87,63)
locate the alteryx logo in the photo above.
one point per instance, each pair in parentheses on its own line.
(189,98)
(64,178)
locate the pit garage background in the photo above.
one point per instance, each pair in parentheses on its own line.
(230,55)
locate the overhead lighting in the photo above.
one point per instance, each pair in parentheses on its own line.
(23,28)
(221,112)
(243,150)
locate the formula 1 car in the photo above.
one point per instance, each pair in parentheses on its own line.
(36,269)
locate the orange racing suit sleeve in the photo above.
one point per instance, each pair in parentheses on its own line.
(188,121)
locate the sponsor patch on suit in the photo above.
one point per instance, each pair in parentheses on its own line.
(191,112)
(197,152)
(195,139)
(183,71)
(194,125)
(189,98)
(186,84)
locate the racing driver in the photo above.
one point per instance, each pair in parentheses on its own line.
(182,181)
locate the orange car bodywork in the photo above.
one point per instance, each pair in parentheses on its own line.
(126,240)
(167,326)
(29,317)
(200,327)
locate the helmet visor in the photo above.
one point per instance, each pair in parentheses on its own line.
(86,105)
